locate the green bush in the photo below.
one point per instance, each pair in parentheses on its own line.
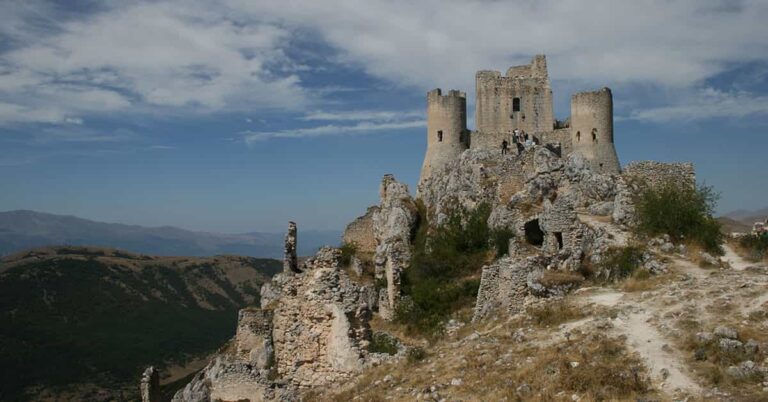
(501,239)
(621,263)
(348,251)
(381,342)
(440,278)
(415,354)
(756,245)
(684,213)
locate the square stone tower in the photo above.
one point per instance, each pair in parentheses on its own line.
(520,100)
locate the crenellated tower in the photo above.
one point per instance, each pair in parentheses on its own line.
(592,129)
(447,135)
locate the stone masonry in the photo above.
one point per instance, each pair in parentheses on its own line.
(290,261)
(394,223)
(654,174)
(360,233)
(521,99)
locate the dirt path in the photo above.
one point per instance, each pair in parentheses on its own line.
(664,363)
(636,323)
(734,260)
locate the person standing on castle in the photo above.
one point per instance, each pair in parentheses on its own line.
(504,145)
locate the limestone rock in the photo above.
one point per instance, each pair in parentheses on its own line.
(150,385)
(393,225)
(726,332)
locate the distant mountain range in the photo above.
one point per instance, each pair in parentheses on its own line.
(20,230)
(748,217)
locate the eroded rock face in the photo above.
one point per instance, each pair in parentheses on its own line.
(320,322)
(312,331)
(393,226)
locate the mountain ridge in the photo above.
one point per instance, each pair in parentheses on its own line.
(27,229)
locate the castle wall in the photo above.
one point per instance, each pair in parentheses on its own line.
(447,134)
(655,174)
(592,129)
(494,110)
(560,136)
(360,233)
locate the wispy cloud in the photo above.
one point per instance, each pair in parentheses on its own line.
(141,56)
(708,103)
(331,129)
(358,115)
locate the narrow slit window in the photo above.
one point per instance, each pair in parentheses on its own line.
(594,135)
(516,104)
(578,136)
(439,135)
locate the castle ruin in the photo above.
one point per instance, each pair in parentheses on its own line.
(520,100)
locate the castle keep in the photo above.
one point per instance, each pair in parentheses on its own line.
(522,100)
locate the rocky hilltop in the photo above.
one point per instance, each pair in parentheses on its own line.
(528,266)
(316,328)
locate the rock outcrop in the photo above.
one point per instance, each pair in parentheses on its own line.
(150,385)
(393,226)
(312,330)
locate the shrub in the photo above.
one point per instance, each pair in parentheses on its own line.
(500,238)
(415,354)
(439,280)
(621,262)
(684,213)
(755,245)
(381,342)
(348,251)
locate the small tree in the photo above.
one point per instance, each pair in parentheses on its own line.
(682,212)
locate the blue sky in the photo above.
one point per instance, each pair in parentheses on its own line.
(238,115)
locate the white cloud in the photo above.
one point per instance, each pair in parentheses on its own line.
(143,56)
(331,129)
(231,55)
(708,103)
(352,115)
(443,42)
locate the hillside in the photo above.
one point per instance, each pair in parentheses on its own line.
(21,230)
(731,225)
(80,323)
(748,217)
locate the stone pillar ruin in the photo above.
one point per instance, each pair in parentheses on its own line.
(150,385)
(290,261)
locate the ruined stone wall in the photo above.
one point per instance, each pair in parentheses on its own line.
(592,129)
(394,223)
(494,111)
(253,340)
(503,287)
(320,324)
(360,232)
(654,173)
(560,136)
(447,134)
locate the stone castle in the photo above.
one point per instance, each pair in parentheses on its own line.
(565,200)
(522,100)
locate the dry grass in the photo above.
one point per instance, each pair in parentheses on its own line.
(594,367)
(642,280)
(560,278)
(555,312)
(712,362)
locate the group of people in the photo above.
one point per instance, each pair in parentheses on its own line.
(521,139)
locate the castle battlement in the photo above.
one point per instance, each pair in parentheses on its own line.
(519,100)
